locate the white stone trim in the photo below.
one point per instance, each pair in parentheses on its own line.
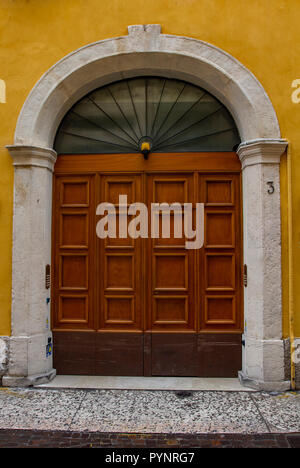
(146,51)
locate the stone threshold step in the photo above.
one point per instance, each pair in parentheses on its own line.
(146,383)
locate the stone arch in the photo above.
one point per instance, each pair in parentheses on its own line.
(145,51)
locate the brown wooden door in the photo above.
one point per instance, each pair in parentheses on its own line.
(147,306)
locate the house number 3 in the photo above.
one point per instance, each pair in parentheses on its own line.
(271,188)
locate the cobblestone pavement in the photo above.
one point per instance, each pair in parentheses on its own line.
(38,417)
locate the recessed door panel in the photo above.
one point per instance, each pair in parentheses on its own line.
(220,272)
(163,264)
(73,272)
(74,193)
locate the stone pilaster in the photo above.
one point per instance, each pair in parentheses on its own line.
(28,361)
(263,363)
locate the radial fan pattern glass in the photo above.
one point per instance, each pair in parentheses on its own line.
(172,115)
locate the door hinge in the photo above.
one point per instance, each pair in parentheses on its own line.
(245,276)
(47,277)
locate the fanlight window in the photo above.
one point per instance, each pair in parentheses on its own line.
(171,115)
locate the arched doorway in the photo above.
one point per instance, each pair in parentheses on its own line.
(144,305)
(145,51)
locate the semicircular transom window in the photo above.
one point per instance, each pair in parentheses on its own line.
(171,115)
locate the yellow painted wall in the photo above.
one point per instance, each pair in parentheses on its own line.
(35,34)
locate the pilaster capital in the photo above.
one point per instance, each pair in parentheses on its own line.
(262,151)
(24,155)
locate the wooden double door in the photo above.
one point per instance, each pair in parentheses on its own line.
(132,305)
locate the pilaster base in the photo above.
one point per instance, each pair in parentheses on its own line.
(29,381)
(258,385)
